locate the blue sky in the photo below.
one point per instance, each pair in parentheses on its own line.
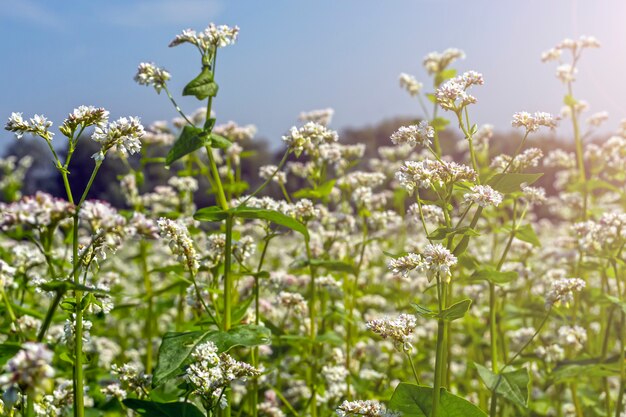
(300,55)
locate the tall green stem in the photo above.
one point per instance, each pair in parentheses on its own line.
(441,334)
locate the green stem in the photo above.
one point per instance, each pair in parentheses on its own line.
(417,380)
(439,366)
(49,315)
(143,251)
(312,375)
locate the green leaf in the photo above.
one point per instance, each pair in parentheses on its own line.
(569,100)
(439,123)
(210,214)
(202,86)
(621,304)
(569,373)
(155,409)
(527,234)
(512,385)
(456,310)
(7,351)
(494,276)
(319,192)
(65,285)
(445,75)
(510,182)
(328,264)
(445,232)
(190,139)
(219,141)
(176,348)
(416,401)
(272,216)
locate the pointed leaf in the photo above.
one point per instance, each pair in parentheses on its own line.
(494,276)
(202,86)
(155,409)
(190,139)
(416,401)
(272,216)
(512,385)
(527,234)
(511,182)
(219,141)
(456,310)
(210,214)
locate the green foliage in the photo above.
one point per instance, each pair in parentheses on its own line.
(512,385)
(156,409)
(202,86)
(176,348)
(416,401)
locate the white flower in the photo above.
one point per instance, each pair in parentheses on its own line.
(412,135)
(532,122)
(484,196)
(37,125)
(149,74)
(30,368)
(410,84)
(123,135)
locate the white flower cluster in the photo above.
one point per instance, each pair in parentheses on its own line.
(562,291)
(413,135)
(367,408)
(150,75)
(29,369)
(309,137)
(266,172)
(84,116)
(399,330)
(436,62)
(435,259)
(210,373)
(132,378)
(484,196)
(567,72)
(213,36)
(321,116)
(234,132)
(123,135)
(39,210)
(410,84)
(428,172)
(532,122)
(180,242)
(452,95)
(37,125)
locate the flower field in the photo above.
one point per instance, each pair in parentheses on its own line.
(414,283)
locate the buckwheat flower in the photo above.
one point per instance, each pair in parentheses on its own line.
(266,172)
(552,54)
(123,135)
(150,75)
(399,330)
(132,378)
(37,125)
(562,291)
(234,132)
(293,301)
(30,369)
(7,274)
(436,62)
(321,116)
(220,36)
(184,184)
(484,196)
(410,84)
(405,264)
(558,158)
(533,195)
(158,133)
(309,137)
(368,408)
(572,336)
(532,122)
(597,119)
(180,242)
(413,135)
(304,210)
(438,260)
(452,95)
(566,73)
(551,354)
(210,372)
(84,116)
